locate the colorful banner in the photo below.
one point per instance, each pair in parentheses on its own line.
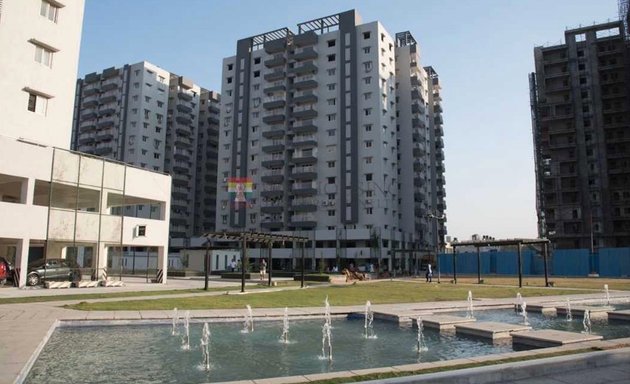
(240,189)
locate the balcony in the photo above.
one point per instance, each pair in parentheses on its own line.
(304,173)
(88,116)
(110,72)
(304,189)
(276,61)
(439,131)
(415,94)
(302,113)
(90,103)
(185,120)
(183,141)
(272,192)
(276,46)
(305,82)
(90,91)
(439,143)
(438,120)
(304,69)
(305,98)
(418,166)
(92,78)
(307,53)
(179,154)
(104,137)
(274,102)
(273,162)
(416,107)
(437,108)
(419,151)
(213,120)
(109,86)
(275,147)
(103,151)
(418,182)
(275,75)
(305,39)
(272,178)
(183,95)
(305,127)
(273,224)
(303,222)
(418,123)
(301,141)
(106,124)
(303,158)
(184,108)
(275,87)
(274,116)
(87,128)
(415,82)
(108,99)
(304,205)
(272,209)
(87,141)
(106,112)
(274,132)
(183,131)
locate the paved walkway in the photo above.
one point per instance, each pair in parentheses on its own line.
(25,327)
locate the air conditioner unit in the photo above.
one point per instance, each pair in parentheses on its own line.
(331,202)
(368,202)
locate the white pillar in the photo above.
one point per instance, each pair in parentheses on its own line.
(21,260)
(162,262)
(102,261)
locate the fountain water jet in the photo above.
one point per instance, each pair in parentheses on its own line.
(327,316)
(285,327)
(524,313)
(175,321)
(326,342)
(186,336)
(607,294)
(519,302)
(248,324)
(586,322)
(469,312)
(369,319)
(421,344)
(569,316)
(205,345)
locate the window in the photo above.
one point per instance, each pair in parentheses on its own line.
(368,144)
(331,43)
(366,49)
(156,155)
(332,117)
(331,164)
(366,35)
(37,103)
(256,73)
(331,132)
(257,60)
(331,101)
(331,196)
(368,160)
(229,80)
(368,127)
(331,180)
(331,212)
(368,111)
(368,177)
(367,80)
(367,95)
(49,11)
(230,67)
(331,87)
(331,57)
(368,66)
(160,104)
(43,55)
(368,211)
(224,219)
(331,71)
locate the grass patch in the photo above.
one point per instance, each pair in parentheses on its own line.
(559,282)
(382,292)
(390,375)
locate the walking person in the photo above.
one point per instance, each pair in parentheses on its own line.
(429,273)
(263,269)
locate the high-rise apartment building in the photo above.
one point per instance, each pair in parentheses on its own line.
(338,129)
(143,115)
(580,98)
(55,203)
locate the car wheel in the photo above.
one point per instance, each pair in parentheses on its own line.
(32,279)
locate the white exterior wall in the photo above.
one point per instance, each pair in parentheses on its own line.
(20,71)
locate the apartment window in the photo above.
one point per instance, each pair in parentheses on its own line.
(331,87)
(158,129)
(145,138)
(230,67)
(368,127)
(368,160)
(229,80)
(146,113)
(366,49)
(367,80)
(144,152)
(256,73)
(331,101)
(368,177)
(367,111)
(367,95)
(331,164)
(254,128)
(257,60)
(134,97)
(255,115)
(134,111)
(156,155)
(136,85)
(331,196)
(331,71)
(49,11)
(331,132)
(368,210)
(368,66)
(256,87)
(331,212)
(332,117)
(43,55)
(37,103)
(368,193)
(331,180)
(224,219)
(331,57)
(366,35)
(331,43)
(254,143)
(368,144)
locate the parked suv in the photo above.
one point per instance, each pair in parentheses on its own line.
(49,269)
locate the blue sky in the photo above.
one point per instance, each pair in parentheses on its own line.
(483,51)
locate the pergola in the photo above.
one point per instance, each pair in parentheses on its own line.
(487,243)
(253,237)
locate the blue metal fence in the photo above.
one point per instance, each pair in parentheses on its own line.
(608,262)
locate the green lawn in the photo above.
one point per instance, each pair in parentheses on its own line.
(383,292)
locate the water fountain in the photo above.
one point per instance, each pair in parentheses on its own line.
(524,312)
(327,311)
(248,324)
(586,322)
(569,316)
(607,294)
(175,321)
(326,342)
(519,301)
(421,344)
(369,319)
(285,327)
(469,312)
(205,345)
(186,336)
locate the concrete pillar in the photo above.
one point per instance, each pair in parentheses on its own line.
(101,263)
(21,260)
(162,262)
(27,191)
